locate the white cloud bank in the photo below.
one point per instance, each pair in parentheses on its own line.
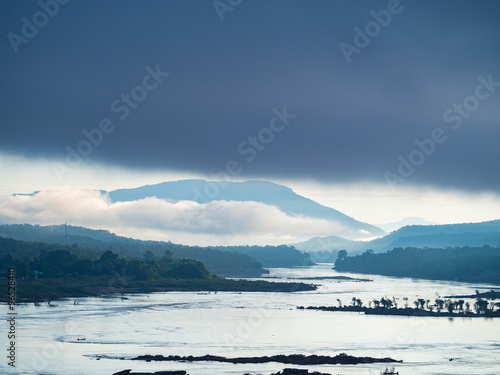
(187,222)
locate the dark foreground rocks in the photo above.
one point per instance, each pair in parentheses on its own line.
(296,371)
(294,359)
(287,371)
(128,372)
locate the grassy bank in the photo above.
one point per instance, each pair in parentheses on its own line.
(57,288)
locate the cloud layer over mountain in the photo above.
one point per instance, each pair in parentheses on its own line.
(187,222)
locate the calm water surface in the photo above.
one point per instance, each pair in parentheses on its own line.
(50,339)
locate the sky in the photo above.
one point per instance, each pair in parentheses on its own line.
(380,109)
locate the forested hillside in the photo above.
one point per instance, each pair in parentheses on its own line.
(216,261)
(35,259)
(46,272)
(272,256)
(473,264)
(236,261)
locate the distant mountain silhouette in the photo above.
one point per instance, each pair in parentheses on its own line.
(389,227)
(268,193)
(438,236)
(326,244)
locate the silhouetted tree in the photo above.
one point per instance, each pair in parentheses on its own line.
(450,305)
(341,255)
(439,304)
(481,306)
(386,302)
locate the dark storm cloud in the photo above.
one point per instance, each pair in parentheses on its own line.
(353,119)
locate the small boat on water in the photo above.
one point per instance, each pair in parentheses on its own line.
(389,371)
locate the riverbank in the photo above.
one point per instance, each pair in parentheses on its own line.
(336,278)
(58,288)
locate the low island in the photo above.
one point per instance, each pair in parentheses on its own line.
(440,308)
(292,359)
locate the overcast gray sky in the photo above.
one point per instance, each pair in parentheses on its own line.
(380,109)
(353,120)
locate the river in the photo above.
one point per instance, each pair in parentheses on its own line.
(66,338)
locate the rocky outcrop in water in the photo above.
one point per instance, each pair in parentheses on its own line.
(287,371)
(128,372)
(296,371)
(293,359)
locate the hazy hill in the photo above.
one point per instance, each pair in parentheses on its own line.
(439,236)
(257,191)
(216,261)
(326,244)
(449,235)
(62,234)
(237,261)
(413,220)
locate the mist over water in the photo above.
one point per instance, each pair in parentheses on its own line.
(65,339)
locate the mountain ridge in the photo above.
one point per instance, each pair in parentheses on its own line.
(441,235)
(410,220)
(265,192)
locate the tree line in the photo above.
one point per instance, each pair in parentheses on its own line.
(37,260)
(480,306)
(216,261)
